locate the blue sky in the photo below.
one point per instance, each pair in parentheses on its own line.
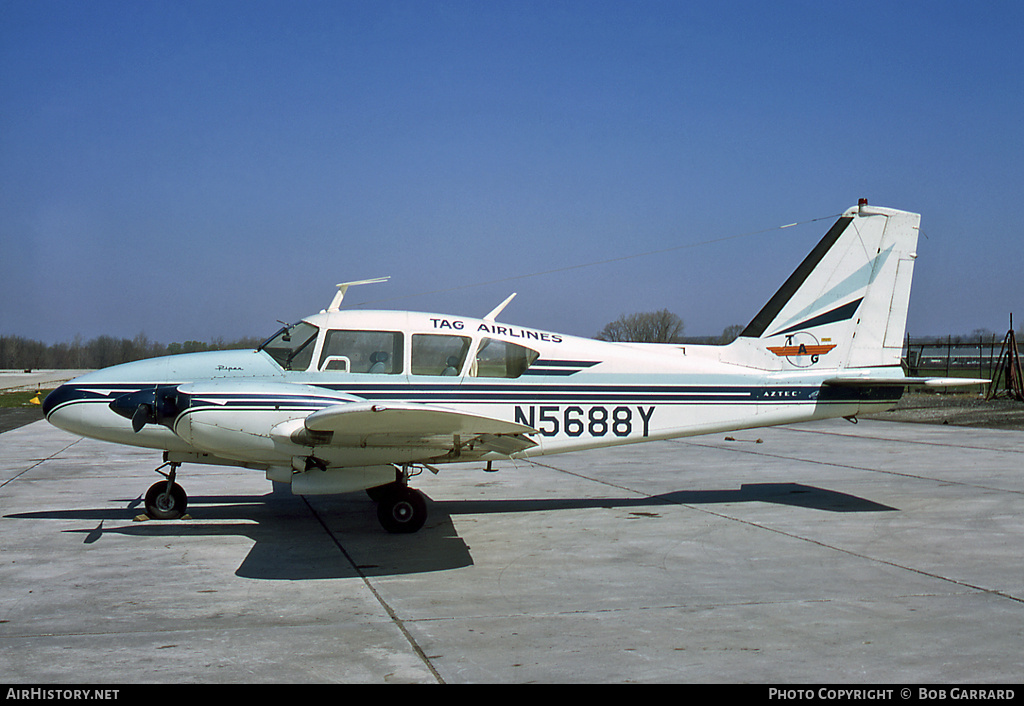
(199,169)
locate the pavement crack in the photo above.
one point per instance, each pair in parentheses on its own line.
(791,535)
(392,615)
(39,462)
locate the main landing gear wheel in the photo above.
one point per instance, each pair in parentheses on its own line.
(402,510)
(381,491)
(166,504)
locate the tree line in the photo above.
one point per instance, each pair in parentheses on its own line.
(660,326)
(19,353)
(665,327)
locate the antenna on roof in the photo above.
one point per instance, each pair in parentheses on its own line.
(497,310)
(343,287)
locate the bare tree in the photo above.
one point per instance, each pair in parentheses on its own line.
(647,327)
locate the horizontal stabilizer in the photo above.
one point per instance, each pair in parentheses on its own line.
(850,381)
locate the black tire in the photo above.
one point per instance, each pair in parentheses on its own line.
(402,511)
(161,505)
(381,491)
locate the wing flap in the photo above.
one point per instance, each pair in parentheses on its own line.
(404,424)
(407,419)
(506,444)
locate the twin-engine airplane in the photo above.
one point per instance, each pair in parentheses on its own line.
(344,401)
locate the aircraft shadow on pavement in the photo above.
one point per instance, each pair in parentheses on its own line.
(290,542)
(794,494)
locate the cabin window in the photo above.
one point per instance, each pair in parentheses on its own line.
(378,352)
(501,359)
(438,355)
(292,346)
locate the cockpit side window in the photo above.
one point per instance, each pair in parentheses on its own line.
(501,359)
(438,355)
(377,352)
(292,347)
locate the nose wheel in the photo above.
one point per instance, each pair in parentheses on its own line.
(166,500)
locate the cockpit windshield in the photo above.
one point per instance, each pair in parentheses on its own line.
(292,347)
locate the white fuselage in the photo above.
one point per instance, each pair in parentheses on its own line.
(246,408)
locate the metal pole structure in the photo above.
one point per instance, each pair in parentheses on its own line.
(1010,370)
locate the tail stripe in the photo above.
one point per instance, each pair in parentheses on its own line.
(760,322)
(840,313)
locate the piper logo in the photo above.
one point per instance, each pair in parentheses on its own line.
(802,349)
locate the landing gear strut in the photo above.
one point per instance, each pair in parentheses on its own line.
(166,500)
(400,509)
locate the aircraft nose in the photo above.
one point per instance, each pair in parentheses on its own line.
(62,394)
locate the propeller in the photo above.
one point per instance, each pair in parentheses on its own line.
(143,415)
(156,405)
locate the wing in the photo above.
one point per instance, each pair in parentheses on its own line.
(450,431)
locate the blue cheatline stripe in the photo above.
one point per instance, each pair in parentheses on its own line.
(558,368)
(564,364)
(676,396)
(509,394)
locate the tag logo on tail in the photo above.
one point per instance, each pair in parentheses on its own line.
(802,349)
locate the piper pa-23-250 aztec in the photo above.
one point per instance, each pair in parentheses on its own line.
(345,401)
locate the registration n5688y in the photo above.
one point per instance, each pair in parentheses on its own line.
(594,420)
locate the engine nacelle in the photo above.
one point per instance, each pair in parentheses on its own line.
(237,419)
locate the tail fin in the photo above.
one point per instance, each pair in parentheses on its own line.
(845,306)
